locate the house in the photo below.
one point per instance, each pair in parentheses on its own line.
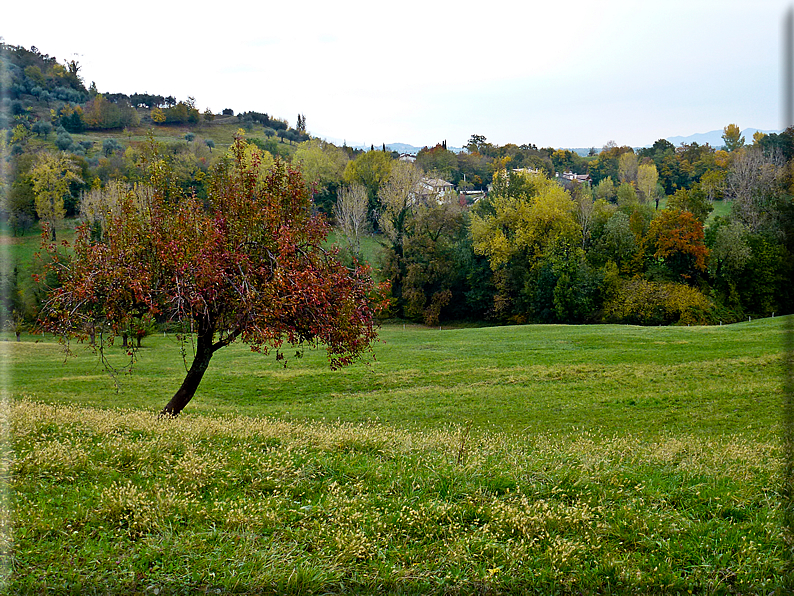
(435,189)
(571,177)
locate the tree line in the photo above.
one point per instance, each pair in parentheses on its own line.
(536,248)
(521,238)
(634,244)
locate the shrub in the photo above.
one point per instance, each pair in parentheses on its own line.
(642,302)
(110,146)
(42,129)
(64,141)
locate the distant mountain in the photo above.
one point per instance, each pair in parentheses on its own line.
(398,147)
(403,148)
(714,138)
(582,151)
(411,149)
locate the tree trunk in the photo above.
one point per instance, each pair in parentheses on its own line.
(204,352)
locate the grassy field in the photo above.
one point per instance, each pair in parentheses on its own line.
(553,378)
(536,459)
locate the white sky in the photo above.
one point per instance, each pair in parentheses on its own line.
(562,74)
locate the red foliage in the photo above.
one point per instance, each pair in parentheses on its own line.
(678,238)
(248,264)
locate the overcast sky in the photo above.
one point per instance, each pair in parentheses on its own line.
(562,74)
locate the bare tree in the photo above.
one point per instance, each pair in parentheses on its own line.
(398,196)
(585,210)
(753,184)
(351,214)
(99,205)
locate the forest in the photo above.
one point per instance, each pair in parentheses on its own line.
(659,235)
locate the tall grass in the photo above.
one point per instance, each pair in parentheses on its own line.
(122,501)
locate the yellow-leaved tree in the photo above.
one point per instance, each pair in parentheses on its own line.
(528,231)
(525,225)
(51,176)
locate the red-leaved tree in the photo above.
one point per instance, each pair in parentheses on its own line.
(677,237)
(246,264)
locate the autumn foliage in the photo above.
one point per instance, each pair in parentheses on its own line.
(248,263)
(677,238)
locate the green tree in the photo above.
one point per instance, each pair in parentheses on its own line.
(41,128)
(430,262)
(730,254)
(627,195)
(606,163)
(101,114)
(713,184)
(577,290)
(605,190)
(693,200)
(618,242)
(439,162)
(515,233)
(322,165)
(525,225)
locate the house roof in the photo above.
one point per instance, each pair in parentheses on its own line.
(437,183)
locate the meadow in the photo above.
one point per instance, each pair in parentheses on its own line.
(532,459)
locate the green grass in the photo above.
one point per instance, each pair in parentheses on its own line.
(535,459)
(371,251)
(518,379)
(721,209)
